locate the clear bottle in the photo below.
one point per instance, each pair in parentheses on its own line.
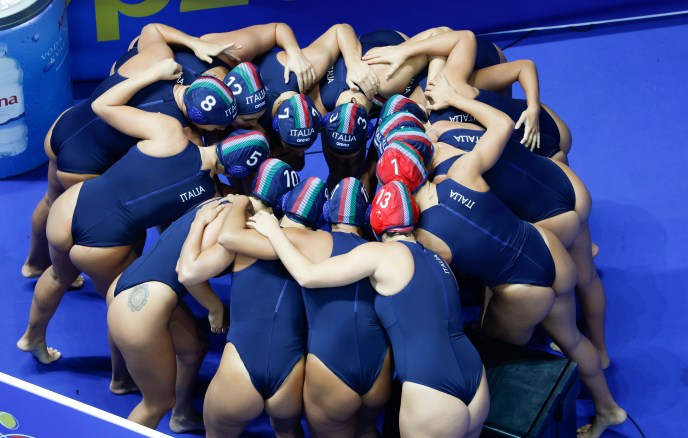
(14,137)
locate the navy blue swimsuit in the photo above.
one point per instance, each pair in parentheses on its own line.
(343,329)
(137,193)
(425,328)
(160,262)
(85,144)
(549,131)
(486,239)
(533,187)
(333,84)
(272,75)
(268,323)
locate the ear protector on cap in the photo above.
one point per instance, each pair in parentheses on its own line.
(401,162)
(393,209)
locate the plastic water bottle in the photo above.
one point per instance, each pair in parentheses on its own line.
(14,135)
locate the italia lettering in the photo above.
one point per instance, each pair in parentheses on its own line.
(458,197)
(343,137)
(462,118)
(259,96)
(192,193)
(439,260)
(330,74)
(7,101)
(467,138)
(301,132)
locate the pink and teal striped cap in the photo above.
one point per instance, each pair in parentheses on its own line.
(304,204)
(399,103)
(393,209)
(273,180)
(413,137)
(209,101)
(246,85)
(401,162)
(348,203)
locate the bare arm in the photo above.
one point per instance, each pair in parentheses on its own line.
(524,71)
(498,126)
(201,257)
(344,269)
(112,107)
(235,237)
(203,49)
(459,44)
(206,297)
(341,39)
(253,41)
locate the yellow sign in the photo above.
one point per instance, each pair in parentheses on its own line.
(107,12)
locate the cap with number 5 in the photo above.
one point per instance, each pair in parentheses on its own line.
(242,152)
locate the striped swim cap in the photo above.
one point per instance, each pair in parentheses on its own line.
(273,179)
(208,101)
(246,85)
(348,203)
(414,137)
(400,162)
(297,121)
(393,210)
(399,103)
(401,120)
(346,129)
(242,152)
(304,204)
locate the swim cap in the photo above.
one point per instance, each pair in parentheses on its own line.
(394,209)
(347,204)
(346,128)
(395,121)
(304,204)
(247,87)
(400,162)
(273,179)
(297,122)
(414,137)
(208,101)
(399,103)
(242,152)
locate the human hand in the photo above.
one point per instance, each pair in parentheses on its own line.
(264,222)
(392,55)
(439,93)
(360,77)
(301,66)
(166,69)
(531,135)
(205,50)
(218,319)
(209,212)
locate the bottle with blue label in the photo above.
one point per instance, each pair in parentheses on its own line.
(14,134)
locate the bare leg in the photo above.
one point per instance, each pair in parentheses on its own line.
(375,400)
(39,256)
(514,311)
(190,348)
(561,326)
(138,319)
(231,400)
(427,412)
(478,408)
(286,405)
